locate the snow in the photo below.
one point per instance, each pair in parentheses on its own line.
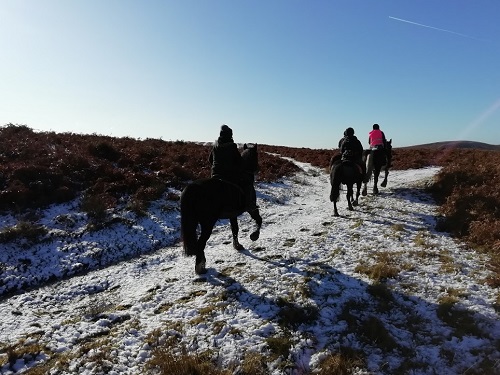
(128,280)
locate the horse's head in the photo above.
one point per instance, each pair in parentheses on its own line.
(388,149)
(250,158)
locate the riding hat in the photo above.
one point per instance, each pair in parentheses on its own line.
(375,126)
(349,132)
(226,131)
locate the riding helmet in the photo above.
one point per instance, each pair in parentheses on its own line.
(226,131)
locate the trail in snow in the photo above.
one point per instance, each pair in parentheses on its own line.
(305,257)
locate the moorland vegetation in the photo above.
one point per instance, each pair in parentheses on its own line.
(41,168)
(38,169)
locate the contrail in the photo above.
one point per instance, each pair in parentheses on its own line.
(434,28)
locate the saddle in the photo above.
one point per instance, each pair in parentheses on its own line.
(352,163)
(243,187)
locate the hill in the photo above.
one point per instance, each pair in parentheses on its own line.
(458,144)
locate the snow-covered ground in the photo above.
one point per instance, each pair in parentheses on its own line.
(129,282)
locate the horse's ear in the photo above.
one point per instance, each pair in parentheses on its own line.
(245,146)
(390,141)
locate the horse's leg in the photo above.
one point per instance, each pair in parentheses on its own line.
(335,212)
(349,196)
(255,214)
(384,183)
(369,171)
(358,188)
(206,231)
(334,194)
(365,182)
(235,229)
(376,173)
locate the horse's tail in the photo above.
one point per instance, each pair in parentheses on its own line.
(369,166)
(335,181)
(189,220)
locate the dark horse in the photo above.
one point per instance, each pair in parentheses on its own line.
(348,173)
(376,160)
(205,201)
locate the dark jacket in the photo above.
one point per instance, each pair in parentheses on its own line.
(225,159)
(351,143)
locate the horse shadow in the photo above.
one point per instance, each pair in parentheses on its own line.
(389,330)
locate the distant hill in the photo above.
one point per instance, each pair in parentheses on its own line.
(458,144)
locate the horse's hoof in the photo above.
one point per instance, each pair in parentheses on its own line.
(200,268)
(336,214)
(238,246)
(364,193)
(355,203)
(255,236)
(383,184)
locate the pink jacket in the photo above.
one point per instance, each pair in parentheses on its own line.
(376,138)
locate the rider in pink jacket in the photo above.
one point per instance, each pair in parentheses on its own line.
(376,138)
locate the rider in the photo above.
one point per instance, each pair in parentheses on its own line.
(227,164)
(225,158)
(352,149)
(376,138)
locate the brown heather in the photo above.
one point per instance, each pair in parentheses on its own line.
(42,168)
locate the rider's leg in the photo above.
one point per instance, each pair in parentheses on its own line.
(250,198)
(363,168)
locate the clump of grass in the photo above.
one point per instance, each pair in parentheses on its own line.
(28,231)
(374,330)
(22,350)
(357,224)
(167,360)
(384,267)
(448,264)
(292,315)
(382,294)
(398,227)
(95,206)
(421,241)
(279,346)
(342,363)
(461,320)
(253,363)
(304,289)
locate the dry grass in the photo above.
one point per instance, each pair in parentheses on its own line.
(383,267)
(165,361)
(343,363)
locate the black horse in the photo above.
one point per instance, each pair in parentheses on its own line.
(348,173)
(205,201)
(376,160)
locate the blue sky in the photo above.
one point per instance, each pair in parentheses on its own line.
(281,72)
